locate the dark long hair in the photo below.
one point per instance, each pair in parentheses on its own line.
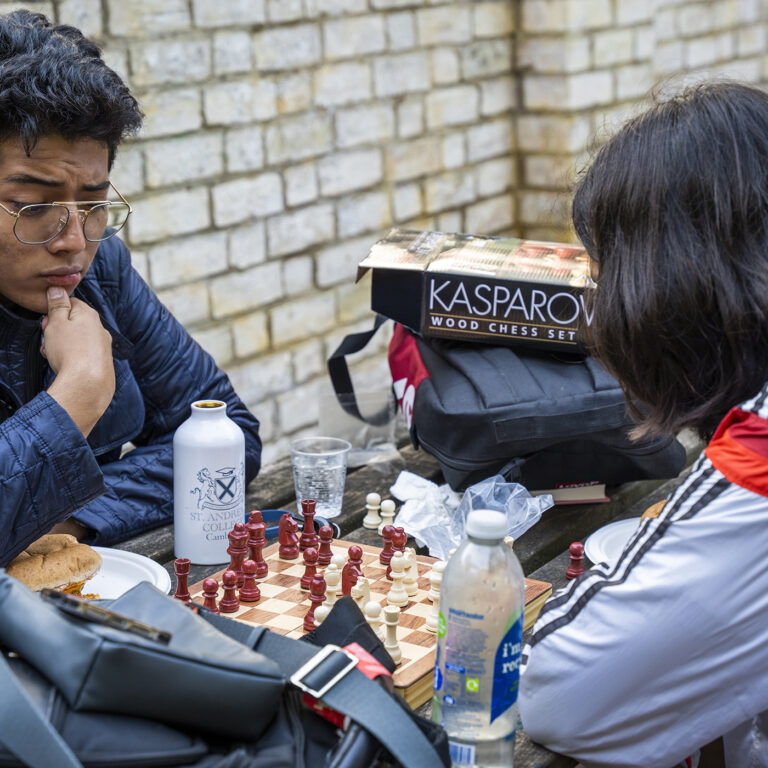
(674,210)
(54,81)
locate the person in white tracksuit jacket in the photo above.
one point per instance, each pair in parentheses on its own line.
(642,662)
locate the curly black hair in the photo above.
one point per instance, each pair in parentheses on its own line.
(53,81)
(674,210)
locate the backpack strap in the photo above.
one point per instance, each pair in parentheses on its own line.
(32,739)
(329,674)
(338,370)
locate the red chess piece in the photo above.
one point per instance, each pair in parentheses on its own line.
(316,597)
(181,569)
(253,526)
(249,592)
(210,592)
(576,568)
(352,569)
(385,556)
(324,554)
(238,550)
(308,535)
(230,602)
(310,561)
(256,547)
(399,539)
(286,535)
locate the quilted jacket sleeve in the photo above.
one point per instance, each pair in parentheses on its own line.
(172,371)
(47,471)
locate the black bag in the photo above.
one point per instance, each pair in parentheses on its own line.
(537,418)
(42,725)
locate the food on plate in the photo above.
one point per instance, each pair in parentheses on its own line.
(56,561)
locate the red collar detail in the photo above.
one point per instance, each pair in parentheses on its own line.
(739,450)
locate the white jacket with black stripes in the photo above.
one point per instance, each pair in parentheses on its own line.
(642,663)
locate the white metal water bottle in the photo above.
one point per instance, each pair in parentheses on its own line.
(208,483)
(480,632)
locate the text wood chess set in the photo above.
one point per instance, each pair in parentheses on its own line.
(291,585)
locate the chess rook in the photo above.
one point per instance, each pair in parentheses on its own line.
(181,570)
(372,519)
(308,535)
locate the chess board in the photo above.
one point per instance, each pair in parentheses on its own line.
(284,604)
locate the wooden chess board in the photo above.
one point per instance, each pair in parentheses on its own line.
(284,604)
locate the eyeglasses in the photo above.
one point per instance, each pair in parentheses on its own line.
(41,222)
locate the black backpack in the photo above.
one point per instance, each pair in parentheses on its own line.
(538,418)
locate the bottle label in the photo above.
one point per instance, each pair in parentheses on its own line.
(506,669)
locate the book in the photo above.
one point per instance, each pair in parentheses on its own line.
(576,493)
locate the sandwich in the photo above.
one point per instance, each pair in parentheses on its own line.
(56,561)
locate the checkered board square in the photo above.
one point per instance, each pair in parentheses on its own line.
(284,604)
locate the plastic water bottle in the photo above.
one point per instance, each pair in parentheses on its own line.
(480,633)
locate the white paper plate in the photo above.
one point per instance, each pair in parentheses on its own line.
(122,570)
(606,544)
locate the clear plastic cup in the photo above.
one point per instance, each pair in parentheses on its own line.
(319,471)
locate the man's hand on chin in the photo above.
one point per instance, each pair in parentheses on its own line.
(71,527)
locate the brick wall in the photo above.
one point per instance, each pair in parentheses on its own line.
(283,137)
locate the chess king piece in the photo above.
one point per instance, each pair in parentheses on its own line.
(411,575)
(372,519)
(391,619)
(397,594)
(238,550)
(181,570)
(286,535)
(256,547)
(249,592)
(387,514)
(308,535)
(576,553)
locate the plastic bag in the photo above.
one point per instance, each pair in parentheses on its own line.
(436,516)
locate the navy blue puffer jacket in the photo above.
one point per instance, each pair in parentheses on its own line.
(49,472)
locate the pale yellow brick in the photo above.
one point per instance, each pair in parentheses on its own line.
(284,10)
(612,47)
(287,47)
(545,16)
(159,216)
(293,92)
(250,334)
(135,18)
(171,112)
(449,190)
(493,19)
(644,42)
(266,413)
(555,54)
(489,139)
(703,51)
(349,171)
(298,408)
(187,303)
(273,452)
(495,176)
(401,31)
(454,150)
(552,133)
(307,360)
(363,125)
(745,70)
(244,150)
(491,216)
(369,212)
(410,118)
(255,380)
(339,84)
(239,101)
(407,201)
(548,208)
(300,183)
(240,199)
(547,170)
(338,263)
(140,263)
(695,19)
(184,260)
(244,291)
(231,52)
(668,57)
(451,221)
(408,160)
(291,320)
(296,231)
(630,12)
(183,158)
(353,302)
(634,82)
(300,137)
(445,66)
(247,245)
(401,73)
(338,7)
(665,24)
(354,37)
(486,58)
(748,10)
(751,40)
(127,173)
(589,14)
(298,275)
(497,95)
(217,342)
(231,13)
(448,24)
(452,106)
(83,14)
(170,62)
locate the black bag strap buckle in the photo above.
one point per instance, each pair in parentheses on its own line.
(329,665)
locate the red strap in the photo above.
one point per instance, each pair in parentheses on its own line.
(408,369)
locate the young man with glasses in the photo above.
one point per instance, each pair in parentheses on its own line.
(89,358)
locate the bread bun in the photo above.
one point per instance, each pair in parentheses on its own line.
(55,561)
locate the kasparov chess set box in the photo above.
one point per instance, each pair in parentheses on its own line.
(482,289)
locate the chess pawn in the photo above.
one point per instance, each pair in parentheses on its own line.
(339,561)
(397,594)
(230,602)
(324,554)
(391,619)
(249,592)
(308,536)
(399,538)
(576,553)
(361,593)
(434,583)
(210,593)
(410,582)
(310,561)
(316,597)
(332,579)
(372,519)
(321,612)
(387,514)
(373,616)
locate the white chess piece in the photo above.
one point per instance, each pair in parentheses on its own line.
(372,519)
(373,616)
(387,514)
(332,579)
(411,577)
(361,592)
(339,561)
(397,594)
(391,619)
(435,580)
(321,612)
(434,584)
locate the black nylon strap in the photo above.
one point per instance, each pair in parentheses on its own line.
(355,695)
(32,739)
(338,370)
